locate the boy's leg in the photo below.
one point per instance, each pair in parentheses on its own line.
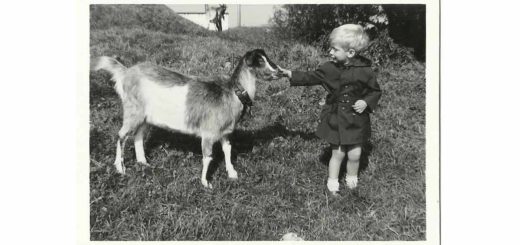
(354,154)
(334,165)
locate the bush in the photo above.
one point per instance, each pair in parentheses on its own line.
(312,24)
(383,51)
(407,26)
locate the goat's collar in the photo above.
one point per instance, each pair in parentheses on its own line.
(243,96)
(246,101)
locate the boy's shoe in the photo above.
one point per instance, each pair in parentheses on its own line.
(351,181)
(333,186)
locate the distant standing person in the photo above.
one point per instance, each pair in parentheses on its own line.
(220,13)
(353,94)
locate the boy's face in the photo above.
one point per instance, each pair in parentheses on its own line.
(339,54)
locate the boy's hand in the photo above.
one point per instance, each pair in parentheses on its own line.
(284,73)
(360,106)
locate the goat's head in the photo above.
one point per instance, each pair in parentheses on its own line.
(261,65)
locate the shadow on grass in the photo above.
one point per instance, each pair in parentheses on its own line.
(363,161)
(242,141)
(245,140)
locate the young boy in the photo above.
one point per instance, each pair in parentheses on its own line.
(353,94)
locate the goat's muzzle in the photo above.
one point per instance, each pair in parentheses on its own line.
(270,75)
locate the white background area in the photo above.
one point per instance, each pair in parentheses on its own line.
(479,122)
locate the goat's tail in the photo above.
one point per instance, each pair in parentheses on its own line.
(113,66)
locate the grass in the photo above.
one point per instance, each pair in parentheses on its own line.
(282,166)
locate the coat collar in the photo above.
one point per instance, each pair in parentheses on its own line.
(357,61)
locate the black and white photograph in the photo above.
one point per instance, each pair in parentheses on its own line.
(261,122)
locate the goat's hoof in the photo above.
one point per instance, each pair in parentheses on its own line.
(144,163)
(122,171)
(206,184)
(233,174)
(351,181)
(334,194)
(120,168)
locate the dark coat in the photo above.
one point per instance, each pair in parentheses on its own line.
(339,123)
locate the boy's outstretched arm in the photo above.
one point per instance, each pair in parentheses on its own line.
(300,78)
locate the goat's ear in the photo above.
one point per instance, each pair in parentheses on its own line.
(262,52)
(255,58)
(249,58)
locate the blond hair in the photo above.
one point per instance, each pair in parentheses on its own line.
(349,36)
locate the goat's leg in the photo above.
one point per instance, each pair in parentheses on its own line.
(138,144)
(207,146)
(120,149)
(226,148)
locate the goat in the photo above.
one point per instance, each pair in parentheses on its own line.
(205,107)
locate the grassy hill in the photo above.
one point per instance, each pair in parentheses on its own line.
(281,164)
(149,17)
